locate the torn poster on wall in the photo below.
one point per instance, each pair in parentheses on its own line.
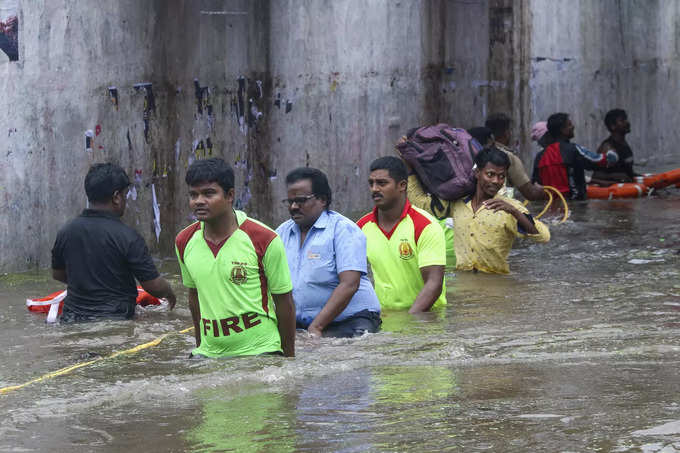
(242,104)
(203,103)
(9,28)
(156,212)
(113,95)
(149,105)
(89,140)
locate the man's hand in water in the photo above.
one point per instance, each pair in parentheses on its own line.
(315,331)
(159,287)
(172,300)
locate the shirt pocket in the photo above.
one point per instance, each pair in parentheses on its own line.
(320,264)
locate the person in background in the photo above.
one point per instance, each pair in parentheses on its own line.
(500,126)
(488,223)
(617,124)
(327,259)
(99,257)
(236,270)
(539,134)
(405,245)
(482,134)
(562,164)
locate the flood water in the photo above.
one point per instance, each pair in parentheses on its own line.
(576,350)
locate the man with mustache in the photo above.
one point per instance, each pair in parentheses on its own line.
(236,270)
(327,258)
(405,244)
(486,223)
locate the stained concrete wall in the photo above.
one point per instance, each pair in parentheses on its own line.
(358,77)
(272,85)
(69,53)
(590,56)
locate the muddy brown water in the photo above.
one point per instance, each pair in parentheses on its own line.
(576,350)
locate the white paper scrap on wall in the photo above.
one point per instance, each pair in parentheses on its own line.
(156,212)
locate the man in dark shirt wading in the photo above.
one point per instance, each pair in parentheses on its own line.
(99,257)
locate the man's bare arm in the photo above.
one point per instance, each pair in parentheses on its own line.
(285,314)
(159,287)
(59,275)
(532,191)
(340,297)
(433,276)
(195,314)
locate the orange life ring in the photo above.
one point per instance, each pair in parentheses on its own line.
(661,180)
(636,189)
(43,304)
(622,190)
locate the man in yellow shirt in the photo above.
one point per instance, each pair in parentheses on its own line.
(486,223)
(404,244)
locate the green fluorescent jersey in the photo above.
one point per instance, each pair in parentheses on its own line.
(396,256)
(235,281)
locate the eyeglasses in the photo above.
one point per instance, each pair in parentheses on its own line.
(298,200)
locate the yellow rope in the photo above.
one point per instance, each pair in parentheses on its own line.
(71,368)
(564,202)
(547,205)
(549,190)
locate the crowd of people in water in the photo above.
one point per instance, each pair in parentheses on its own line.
(250,286)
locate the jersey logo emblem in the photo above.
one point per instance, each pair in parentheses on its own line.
(405,250)
(238,274)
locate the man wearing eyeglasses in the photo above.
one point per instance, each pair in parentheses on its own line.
(327,258)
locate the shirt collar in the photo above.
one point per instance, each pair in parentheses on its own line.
(100,213)
(468,199)
(404,212)
(240,217)
(322,221)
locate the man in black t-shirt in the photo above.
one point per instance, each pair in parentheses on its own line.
(99,257)
(617,123)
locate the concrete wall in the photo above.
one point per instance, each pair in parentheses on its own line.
(69,53)
(590,56)
(273,85)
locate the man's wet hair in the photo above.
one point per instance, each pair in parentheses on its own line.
(612,116)
(556,122)
(320,186)
(103,180)
(394,166)
(499,123)
(481,133)
(493,155)
(214,169)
